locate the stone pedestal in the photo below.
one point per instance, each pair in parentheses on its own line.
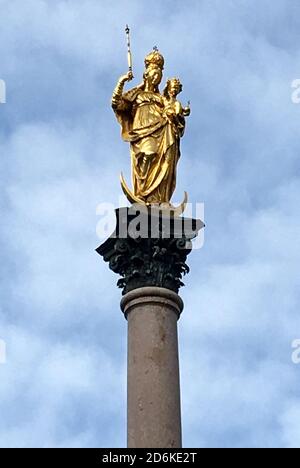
(153,395)
(149,250)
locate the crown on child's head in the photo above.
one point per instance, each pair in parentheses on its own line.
(175,81)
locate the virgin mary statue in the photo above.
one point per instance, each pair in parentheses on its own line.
(153,133)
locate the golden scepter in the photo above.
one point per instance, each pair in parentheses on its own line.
(129,56)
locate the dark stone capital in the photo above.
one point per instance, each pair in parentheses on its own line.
(149,247)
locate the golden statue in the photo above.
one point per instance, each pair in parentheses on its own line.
(153,124)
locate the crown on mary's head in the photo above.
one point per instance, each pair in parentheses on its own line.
(155,59)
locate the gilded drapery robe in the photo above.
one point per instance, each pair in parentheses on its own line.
(154,144)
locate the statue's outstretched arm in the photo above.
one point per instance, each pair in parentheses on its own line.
(116,100)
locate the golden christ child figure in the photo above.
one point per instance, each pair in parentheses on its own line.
(173,110)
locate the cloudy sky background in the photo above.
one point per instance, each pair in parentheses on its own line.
(64,383)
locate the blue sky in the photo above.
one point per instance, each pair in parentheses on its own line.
(64,383)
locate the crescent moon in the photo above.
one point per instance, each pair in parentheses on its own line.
(165,207)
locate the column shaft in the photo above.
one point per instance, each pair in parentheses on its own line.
(154,416)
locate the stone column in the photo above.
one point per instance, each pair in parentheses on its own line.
(154,419)
(149,250)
